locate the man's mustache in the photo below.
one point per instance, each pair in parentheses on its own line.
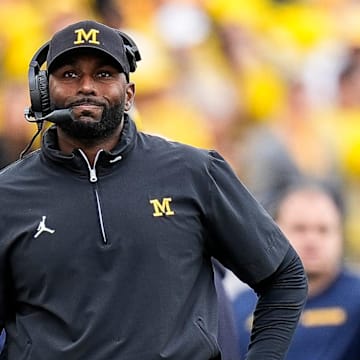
(87,101)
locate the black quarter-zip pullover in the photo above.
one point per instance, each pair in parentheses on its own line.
(113,261)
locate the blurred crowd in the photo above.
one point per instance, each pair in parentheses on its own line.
(274,85)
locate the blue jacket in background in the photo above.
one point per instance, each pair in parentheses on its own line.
(2,340)
(227,335)
(329,328)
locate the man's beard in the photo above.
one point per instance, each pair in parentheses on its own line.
(93,132)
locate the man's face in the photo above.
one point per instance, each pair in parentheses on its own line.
(312,224)
(91,84)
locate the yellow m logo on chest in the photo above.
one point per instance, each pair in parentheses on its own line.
(162,207)
(82,36)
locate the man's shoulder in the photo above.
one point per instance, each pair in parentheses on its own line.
(19,167)
(347,282)
(165,141)
(350,278)
(160,144)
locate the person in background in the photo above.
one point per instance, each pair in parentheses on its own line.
(227,333)
(108,233)
(311,214)
(2,340)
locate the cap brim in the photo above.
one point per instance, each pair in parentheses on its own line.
(57,60)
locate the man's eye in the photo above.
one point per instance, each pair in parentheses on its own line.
(70,74)
(104,74)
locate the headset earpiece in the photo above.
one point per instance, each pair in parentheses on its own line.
(131,51)
(40,95)
(38,84)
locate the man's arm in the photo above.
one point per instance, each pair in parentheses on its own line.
(281,299)
(246,240)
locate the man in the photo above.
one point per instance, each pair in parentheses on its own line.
(311,215)
(108,234)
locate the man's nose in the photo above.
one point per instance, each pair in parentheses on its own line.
(87,85)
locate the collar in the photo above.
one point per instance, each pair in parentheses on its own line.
(75,161)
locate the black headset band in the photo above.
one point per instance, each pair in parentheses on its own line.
(40,56)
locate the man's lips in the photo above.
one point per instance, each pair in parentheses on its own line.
(87,107)
(87,110)
(86,102)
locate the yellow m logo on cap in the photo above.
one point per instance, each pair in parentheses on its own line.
(82,36)
(162,208)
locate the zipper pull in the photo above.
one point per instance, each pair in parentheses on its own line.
(93,176)
(92,170)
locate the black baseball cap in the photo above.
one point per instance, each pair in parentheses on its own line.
(88,34)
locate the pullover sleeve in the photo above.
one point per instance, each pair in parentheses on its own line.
(281,298)
(246,240)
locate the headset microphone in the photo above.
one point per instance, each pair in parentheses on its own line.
(58,116)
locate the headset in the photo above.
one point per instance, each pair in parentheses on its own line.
(40,108)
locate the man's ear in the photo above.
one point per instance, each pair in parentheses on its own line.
(130,95)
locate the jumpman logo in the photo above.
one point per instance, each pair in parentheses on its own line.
(43,228)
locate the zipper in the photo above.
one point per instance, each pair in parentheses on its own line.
(100,216)
(93,179)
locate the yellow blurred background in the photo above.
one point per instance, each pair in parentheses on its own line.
(273,85)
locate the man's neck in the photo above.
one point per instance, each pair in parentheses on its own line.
(319,283)
(68,144)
